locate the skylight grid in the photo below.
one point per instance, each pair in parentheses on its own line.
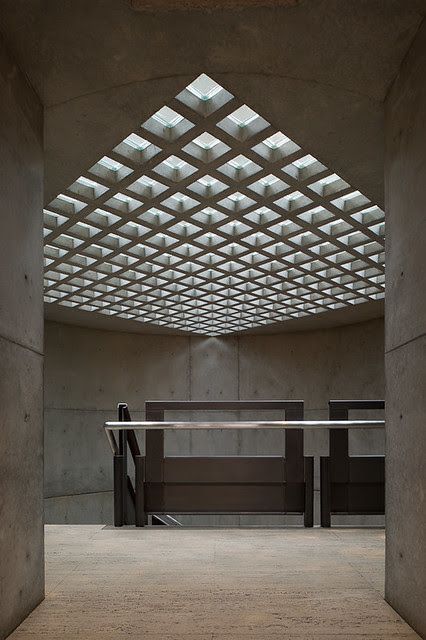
(211,225)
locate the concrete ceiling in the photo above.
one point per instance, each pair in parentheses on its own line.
(327,320)
(319,70)
(206,218)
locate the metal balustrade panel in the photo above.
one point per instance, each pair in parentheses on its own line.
(350,485)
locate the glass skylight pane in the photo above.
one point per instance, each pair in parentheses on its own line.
(301,163)
(145,180)
(179,197)
(268,180)
(86,182)
(122,197)
(237,196)
(206,141)
(208,181)
(329,179)
(351,196)
(136,142)
(243,116)
(113,165)
(167,117)
(204,87)
(63,196)
(175,163)
(239,162)
(276,140)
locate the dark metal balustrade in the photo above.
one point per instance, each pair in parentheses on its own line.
(166,485)
(350,485)
(210,484)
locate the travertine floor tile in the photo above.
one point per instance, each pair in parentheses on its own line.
(188,584)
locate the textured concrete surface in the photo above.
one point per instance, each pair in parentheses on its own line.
(88,371)
(320,70)
(406,339)
(165,5)
(329,319)
(84,508)
(182,584)
(21,346)
(324,90)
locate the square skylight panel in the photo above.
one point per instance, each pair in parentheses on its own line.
(206,147)
(136,148)
(243,123)
(239,168)
(175,168)
(276,146)
(207,186)
(204,95)
(167,124)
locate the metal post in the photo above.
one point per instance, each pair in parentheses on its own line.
(140,516)
(119,495)
(325,492)
(338,467)
(122,466)
(294,446)
(308,519)
(339,445)
(154,454)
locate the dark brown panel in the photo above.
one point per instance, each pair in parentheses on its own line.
(225,498)
(222,498)
(338,498)
(295,496)
(154,446)
(221,484)
(339,445)
(231,405)
(351,485)
(325,492)
(367,469)
(356,404)
(119,490)
(366,498)
(360,498)
(309,492)
(224,469)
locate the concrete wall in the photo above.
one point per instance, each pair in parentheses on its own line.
(406,339)
(88,371)
(21,348)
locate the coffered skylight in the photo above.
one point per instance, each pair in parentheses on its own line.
(208,219)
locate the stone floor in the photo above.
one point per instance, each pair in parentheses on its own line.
(205,584)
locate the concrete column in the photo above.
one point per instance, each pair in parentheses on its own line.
(406,338)
(21,346)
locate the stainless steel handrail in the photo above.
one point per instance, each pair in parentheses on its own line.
(274,424)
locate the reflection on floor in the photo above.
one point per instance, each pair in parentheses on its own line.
(214,583)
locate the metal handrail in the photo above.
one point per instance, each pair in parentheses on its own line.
(110,427)
(254,424)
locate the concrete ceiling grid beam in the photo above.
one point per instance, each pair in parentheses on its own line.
(206,218)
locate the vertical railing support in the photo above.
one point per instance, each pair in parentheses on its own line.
(140,515)
(154,453)
(120,474)
(119,495)
(325,491)
(341,483)
(308,518)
